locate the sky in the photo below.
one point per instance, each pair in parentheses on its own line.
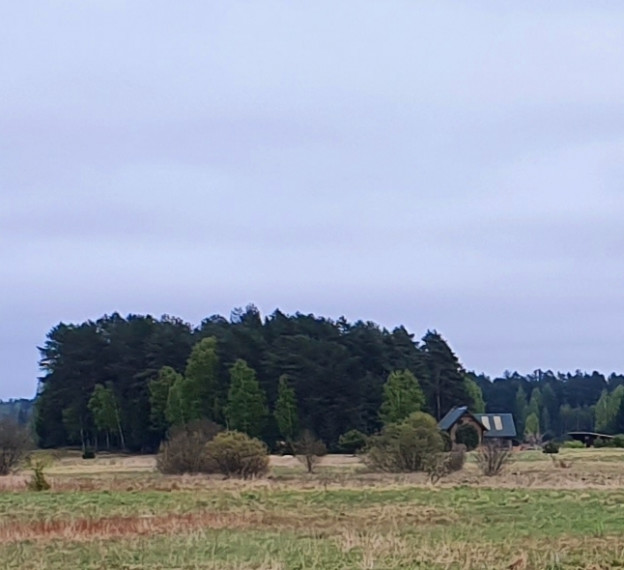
(456,166)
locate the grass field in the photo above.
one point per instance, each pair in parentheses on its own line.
(117,512)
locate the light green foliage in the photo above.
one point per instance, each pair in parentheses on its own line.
(477,404)
(246,409)
(177,412)
(158,395)
(105,410)
(201,391)
(603,418)
(235,454)
(532,428)
(410,445)
(535,403)
(286,410)
(402,395)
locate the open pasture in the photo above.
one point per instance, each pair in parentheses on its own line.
(117,512)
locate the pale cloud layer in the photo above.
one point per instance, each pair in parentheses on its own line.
(439,165)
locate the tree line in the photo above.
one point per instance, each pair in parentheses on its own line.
(125,382)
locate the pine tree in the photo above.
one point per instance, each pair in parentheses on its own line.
(246,408)
(402,396)
(520,409)
(286,410)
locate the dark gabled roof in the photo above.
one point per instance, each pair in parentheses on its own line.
(498,425)
(447,422)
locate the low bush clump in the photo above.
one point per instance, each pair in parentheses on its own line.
(235,454)
(573,444)
(185,449)
(37,481)
(352,441)
(411,445)
(550,447)
(88,453)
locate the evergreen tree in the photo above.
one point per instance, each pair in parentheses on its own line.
(286,410)
(201,372)
(402,396)
(444,385)
(246,408)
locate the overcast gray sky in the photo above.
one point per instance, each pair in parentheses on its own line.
(447,165)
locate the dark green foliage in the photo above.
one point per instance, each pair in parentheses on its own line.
(467,435)
(235,454)
(352,441)
(337,370)
(285,413)
(550,447)
(88,453)
(410,445)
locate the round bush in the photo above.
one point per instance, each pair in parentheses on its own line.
(467,435)
(406,446)
(550,447)
(352,441)
(235,454)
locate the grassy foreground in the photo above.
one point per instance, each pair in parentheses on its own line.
(125,516)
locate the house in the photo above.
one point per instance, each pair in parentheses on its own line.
(489,426)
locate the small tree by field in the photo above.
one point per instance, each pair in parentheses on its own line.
(105,411)
(309,450)
(15,443)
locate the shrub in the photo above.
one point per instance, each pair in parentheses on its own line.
(467,435)
(492,457)
(618,440)
(600,442)
(88,453)
(411,445)
(550,447)
(573,444)
(184,451)
(352,441)
(37,481)
(235,454)
(441,464)
(446,438)
(309,450)
(15,443)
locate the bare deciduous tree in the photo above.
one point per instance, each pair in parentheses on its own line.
(15,443)
(492,457)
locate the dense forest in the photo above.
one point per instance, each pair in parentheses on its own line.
(123,382)
(19,410)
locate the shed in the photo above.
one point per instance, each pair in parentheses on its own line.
(489,426)
(457,417)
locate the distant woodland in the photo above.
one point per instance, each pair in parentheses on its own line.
(122,383)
